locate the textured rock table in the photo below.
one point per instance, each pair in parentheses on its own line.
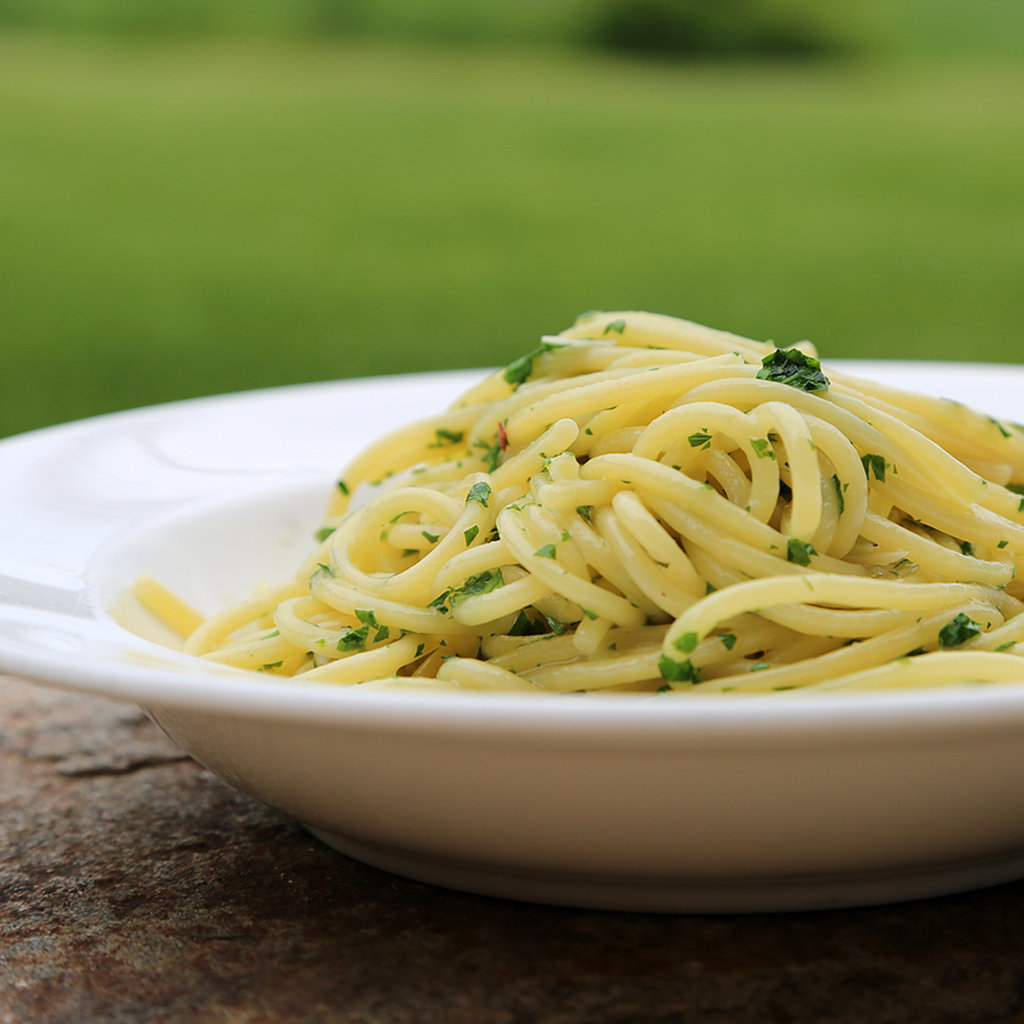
(134,886)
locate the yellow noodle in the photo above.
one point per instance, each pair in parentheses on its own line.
(646,504)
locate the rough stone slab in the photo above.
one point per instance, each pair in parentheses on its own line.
(136,887)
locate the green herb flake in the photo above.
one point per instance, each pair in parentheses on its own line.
(615,327)
(1002,544)
(1002,430)
(967,548)
(874,464)
(547,551)
(557,626)
(474,586)
(795,368)
(589,614)
(700,439)
(729,640)
(368,619)
(525,626)
(799,551)
(269,666)
(958,630)
(353,639)
(762,448)
(432,537)
(1006,646)
(585,512)
(519,370)
(677,671)
(685,643)
(323,567)
(444,437)
(840,495)
(479,492)
(343,487)
(470,534)
(323,533)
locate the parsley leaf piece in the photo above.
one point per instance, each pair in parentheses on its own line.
(700,438)
(343,487)
(685,643)
(799,551)
(324,532)
(729,640)
(470,534)
(875,464)
(447,437)
(762,447)
(474,586)
(840,496)
(795,368)
(958,630)
(557,626)
(547,551)
(525,626)
(677,671)
(520,369)
(585,512)
(432,537)
(353,639)
(616,327)
(479,493)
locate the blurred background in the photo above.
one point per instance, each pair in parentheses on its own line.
(199,196)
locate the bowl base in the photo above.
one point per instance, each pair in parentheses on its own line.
(711,895)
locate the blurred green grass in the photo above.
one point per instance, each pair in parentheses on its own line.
(196,216)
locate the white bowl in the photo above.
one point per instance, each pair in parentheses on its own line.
(628,802)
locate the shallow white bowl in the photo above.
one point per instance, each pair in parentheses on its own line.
(626,802)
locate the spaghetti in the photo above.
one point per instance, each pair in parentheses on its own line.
(645,504)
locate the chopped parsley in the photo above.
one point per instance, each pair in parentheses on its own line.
(343,487)
(324,532)
(369,621)
(353,639)
(525,626)
(840,493)
(520,369)
(795,368)
(470,534)
(700,439)
(444,437)
(799,551)
(762,447)
(685,643)
(432,537)
(875,464)
(729,640)
(547,551)
(616,327)
(958,630)
(482,583)
(585,512)
(677,671)
(479,493)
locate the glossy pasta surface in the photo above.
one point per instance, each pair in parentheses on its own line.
(646,504)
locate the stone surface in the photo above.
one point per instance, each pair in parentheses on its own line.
(135,886)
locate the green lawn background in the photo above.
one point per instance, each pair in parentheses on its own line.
(197,215)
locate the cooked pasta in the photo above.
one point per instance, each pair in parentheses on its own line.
(646,504)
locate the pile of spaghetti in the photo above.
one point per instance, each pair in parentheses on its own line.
(645,504)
